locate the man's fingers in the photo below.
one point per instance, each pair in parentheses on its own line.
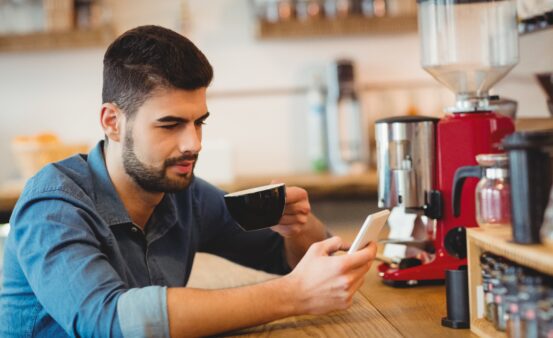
(330,245)
(301,207)
(360,257)
(295,194)
(292,220)
(359,281)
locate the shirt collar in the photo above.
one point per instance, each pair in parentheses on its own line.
(108,203)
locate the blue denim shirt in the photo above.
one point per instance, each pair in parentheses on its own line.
(76,265)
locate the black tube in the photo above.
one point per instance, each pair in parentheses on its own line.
(457,298)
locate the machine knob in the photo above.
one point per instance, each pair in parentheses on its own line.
(455,242)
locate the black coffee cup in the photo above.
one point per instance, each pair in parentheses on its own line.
(257,208)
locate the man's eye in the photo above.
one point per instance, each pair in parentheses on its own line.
(201,123)
(169,126)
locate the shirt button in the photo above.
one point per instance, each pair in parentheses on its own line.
(134,229)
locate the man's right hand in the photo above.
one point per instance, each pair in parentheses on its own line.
(323,282)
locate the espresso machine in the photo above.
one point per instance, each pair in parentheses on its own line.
(467,45)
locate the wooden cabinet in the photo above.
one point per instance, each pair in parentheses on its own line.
(498,241)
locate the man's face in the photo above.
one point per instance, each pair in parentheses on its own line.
(162,140)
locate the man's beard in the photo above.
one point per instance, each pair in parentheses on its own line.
(154,179)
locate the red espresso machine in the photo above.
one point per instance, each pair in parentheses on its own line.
(467,45)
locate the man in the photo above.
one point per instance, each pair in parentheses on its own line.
(102,244)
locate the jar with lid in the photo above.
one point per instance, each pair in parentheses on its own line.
(509,279)
(531,291)
(545,313)
(485,260)
(546,231)
(493,192)
(514,321)
(495,291)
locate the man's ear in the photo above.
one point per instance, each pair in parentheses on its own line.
(111,119)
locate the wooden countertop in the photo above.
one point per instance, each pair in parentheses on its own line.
(377,311)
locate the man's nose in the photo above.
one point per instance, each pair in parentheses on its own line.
(190,140)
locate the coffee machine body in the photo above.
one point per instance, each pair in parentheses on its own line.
(454,143)
(460,138)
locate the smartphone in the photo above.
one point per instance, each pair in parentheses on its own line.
(369,230)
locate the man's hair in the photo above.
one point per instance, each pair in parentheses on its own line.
(148,58)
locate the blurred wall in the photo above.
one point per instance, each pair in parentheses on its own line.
(256,100)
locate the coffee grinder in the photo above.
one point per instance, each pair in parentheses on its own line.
(467,45)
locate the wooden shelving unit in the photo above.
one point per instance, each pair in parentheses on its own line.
(353,25)
(57,40)
(498,241)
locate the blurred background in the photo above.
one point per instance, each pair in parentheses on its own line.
(278,66)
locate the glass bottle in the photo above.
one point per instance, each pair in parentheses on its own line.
(531,292)
(486,262)
(316,126)
(493,192)
(510,280)
(513,328)
(546,231)
(491,282)
(346,133)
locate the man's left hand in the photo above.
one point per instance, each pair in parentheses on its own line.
(296,213)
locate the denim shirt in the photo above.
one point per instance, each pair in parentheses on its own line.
(76,265)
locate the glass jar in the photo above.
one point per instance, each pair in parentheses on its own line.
(531,291)
(546,231)
(493,192)
(514,321)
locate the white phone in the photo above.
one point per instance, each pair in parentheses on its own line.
(370,230)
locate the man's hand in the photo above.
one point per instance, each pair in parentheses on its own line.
(324,282)
(299,227)
(296,213)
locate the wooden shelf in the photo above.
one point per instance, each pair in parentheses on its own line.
(498,241)
(56,40)
(337,27)
(317,185)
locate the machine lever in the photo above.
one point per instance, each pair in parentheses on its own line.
(459,179)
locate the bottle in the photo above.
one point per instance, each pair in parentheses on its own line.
(347,137)
(316,126)
(493,192)
(546,231)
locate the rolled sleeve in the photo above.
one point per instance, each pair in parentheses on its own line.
(143,312)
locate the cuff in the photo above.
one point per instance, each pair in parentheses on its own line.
(142,312)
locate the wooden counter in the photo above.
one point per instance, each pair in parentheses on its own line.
(378,310)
